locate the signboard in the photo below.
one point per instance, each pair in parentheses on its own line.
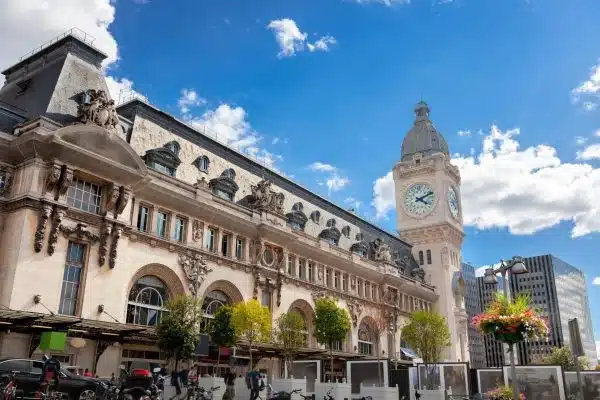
(575,338)
(53,341)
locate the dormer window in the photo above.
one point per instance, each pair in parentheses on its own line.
(315,216)
(224,186)
(202,163)
(174,147)
(296,218)
(164,159)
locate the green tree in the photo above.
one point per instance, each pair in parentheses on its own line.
(252,323)
(332,324)
(564,356)
(179,328)
(221,331)
(379,326)
(427,334)
(290,335)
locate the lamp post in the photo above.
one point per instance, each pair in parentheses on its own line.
(515,266)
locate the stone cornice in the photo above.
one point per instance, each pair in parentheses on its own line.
(434,234)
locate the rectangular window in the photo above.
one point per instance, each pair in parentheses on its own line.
(162,168)
(209,239)
(336,280)
(266,299)
(161,224)
(311,271)
(301,265)
(360,288)
(302,272)
(84,196)
(345,282)
(71,279)
(179,231)
(367,290)
(239,249)
(224,195)
(225,241)
(290,265)
(328,277)
(143,218)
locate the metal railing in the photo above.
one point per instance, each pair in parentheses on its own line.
(75,32)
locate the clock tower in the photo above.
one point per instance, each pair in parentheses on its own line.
(429,216)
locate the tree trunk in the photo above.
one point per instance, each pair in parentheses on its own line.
(250,347)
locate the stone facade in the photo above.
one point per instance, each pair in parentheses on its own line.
(93,214)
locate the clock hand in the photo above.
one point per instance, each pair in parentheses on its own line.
(423,197)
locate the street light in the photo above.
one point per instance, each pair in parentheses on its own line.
(515,266)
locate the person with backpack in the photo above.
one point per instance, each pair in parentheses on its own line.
(255,384)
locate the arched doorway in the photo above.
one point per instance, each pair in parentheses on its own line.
(304,309)
(366,338)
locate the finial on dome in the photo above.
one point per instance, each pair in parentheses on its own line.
(422,111)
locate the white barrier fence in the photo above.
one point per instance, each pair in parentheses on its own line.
(379,392)
(338,390)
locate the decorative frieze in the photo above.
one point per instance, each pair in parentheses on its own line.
(381,251)
(79,231)
(318,294)
(57,218)
(195,268)
(40,232)
(66,178)
(354,309)
(197,231)
(105,231)
(52,178)
(117,231)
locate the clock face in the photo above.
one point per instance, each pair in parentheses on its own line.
(453,201)
(419,199)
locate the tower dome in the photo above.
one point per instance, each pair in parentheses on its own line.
(423,137)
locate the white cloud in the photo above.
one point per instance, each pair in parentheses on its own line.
(580,140)
(292,40)
(322,167)
(275,140)
(523,190)
(597,133)
(596,281)
(335,182)
(263,156)
(466,133)
(322,44)
(121,90)
(353,203)
(32,23)
(590,89)
(189,99)
(589,153)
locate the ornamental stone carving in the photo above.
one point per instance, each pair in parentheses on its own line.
(52,178)
(263,198)
(98,109)
(105,230)
(318,294)
(80,231)
(66,178)
(390,296)
(418,273)
(196,231)
(195,269)
(124,195)
(256,274)
(381,251)
(57,218)
(112,196)
(117,231)
(258,249)
(355,309)
(5,180)
(40,232)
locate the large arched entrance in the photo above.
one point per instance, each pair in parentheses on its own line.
(304,309)
(367,342)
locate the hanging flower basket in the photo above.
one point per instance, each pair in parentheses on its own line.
(503,393)
(511,322)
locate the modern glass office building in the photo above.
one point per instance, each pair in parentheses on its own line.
(473,307)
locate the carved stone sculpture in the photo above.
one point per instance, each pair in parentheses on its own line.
(263,198)
(40,232)
(195,269)
(105,230)
(258,249)
(279,285)
(5,180)
(256,274)
(52,178)
(355,309)
(197,231)
(418,273)
(66,178)
(117,231)
(381,251)
(98,109)
(316,295)
(390,296)
(57,218)
(79,231)
(124,194)
(112,196)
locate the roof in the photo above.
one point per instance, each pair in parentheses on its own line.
(423,137)
(167,121)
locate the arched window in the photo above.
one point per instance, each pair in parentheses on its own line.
(365,342)
(174,147)
(202,163)
(304,332)
(147,301)
(212,302)
(421,260)
(428,257)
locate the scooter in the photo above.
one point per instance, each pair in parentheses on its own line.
(282,395)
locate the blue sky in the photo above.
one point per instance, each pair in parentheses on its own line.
(511,85)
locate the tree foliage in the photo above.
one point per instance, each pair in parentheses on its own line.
(221,330)
(251,322)
(332,324)
(290,335)
(179,328)
(427,333)
(564,356)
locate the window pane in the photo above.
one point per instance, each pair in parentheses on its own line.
(71,279)
(84,196)
(142,223)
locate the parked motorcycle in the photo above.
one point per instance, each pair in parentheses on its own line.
(283,395)
(204,394)
(139,387)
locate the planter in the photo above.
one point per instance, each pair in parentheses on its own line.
(339,391)
(212,381)
(379,393)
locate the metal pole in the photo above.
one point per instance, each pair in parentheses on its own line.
(511,347)
(578,372)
